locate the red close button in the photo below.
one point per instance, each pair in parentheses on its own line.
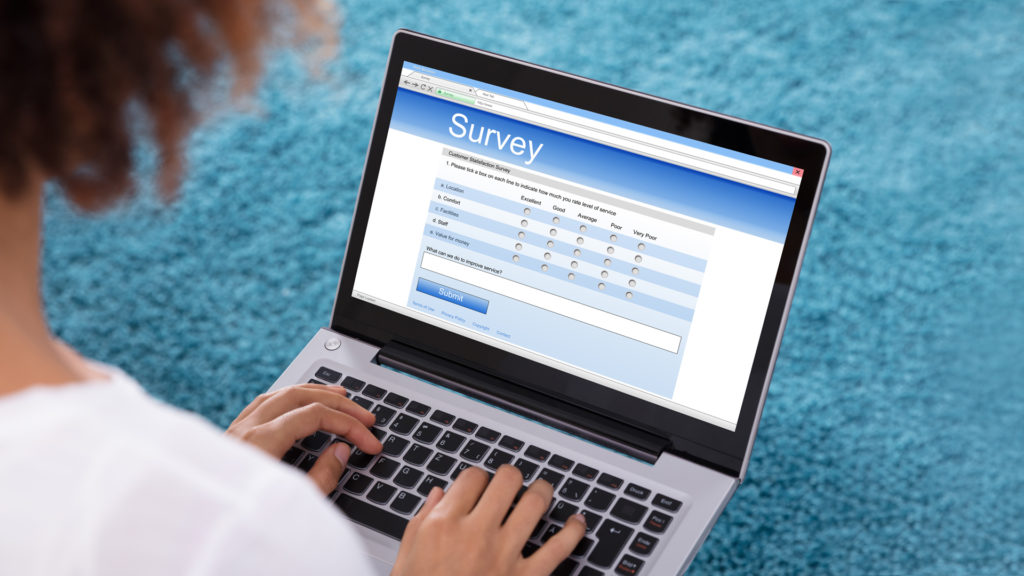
(798,171)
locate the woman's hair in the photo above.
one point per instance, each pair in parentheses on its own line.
(81,78)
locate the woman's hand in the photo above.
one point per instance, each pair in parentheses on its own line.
(276,420)
(464,531)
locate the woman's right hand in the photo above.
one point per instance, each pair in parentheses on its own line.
(465,532)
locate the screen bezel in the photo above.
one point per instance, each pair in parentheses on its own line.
(381,326)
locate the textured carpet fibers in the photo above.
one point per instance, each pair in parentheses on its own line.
(891,440)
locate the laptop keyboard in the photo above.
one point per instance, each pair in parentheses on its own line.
(426,447)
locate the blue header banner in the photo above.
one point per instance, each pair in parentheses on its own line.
(600,117)
(639,178)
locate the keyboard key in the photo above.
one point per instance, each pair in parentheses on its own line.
(307,462)
(628,510)
(292,456)
(582,547)
(551,531)
(497,458)
(552,477)
(599,499)
(378,433)
(440,464)
(359,459)
(529,548)
(450,442)
(670,504)
(573,490)
(417,455)
(609,481)
(427,433)
(383,414)
(527,468)
(353,384)
(429,482)
(418,408)
(442,417)
(366,403)
(369,515)
(657,522)
(312,381)
(405,503)
(538,529)
(487,434)
(538,454)
(404,424)
(513,444)
(588,571)
(408,477)
(519,494)
(374,392)
(459,468)
(357,483)
(561,462)
(629,566)
(643,544)
(592,518)
(315,442)
(465,426)
(584,471)
(611,539)
(395,400)
(638,492)
(565,568)
(328,375)
(384,468)
(562,510)
(381,493)
(474,451)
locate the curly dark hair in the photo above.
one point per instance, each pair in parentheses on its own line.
(78,76)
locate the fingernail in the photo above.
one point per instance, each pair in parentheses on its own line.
(342,452)
(580,518)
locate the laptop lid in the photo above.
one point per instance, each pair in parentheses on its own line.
(628,256)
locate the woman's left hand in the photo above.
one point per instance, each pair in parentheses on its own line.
(274,421)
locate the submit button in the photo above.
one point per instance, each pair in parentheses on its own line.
(451,295)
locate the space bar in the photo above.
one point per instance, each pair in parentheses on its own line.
(373,517)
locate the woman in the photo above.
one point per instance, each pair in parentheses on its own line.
(97,477)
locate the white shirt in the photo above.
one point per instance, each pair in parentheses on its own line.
(100,478)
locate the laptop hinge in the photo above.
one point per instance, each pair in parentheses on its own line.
(527,403)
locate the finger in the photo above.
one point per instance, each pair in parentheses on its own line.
(558,547)
(294,397)
(434,497)
(498,497)
(256,402)
(329,467)
(412,528)
(262,398)
(532,506)
(464,493)
(280,433)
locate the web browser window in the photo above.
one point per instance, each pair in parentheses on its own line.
(637,259)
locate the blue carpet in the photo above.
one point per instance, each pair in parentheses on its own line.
(891,441)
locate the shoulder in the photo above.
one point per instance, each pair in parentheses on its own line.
(128,484)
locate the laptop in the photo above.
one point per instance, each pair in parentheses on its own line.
(580,280)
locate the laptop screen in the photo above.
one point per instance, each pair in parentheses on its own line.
(637,259)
